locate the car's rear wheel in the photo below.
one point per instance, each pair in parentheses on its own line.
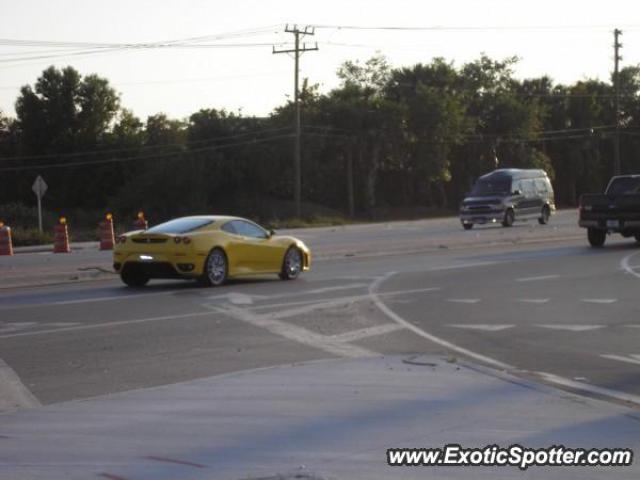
(133,277)
(596,237)
(292,264)
(216,268)
(544,216)
(467,226)
(509,218)
(637,236)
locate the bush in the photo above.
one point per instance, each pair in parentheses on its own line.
(23,237)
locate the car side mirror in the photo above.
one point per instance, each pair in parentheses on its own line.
(517,192)
(272,232)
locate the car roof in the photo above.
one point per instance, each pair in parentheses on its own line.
(515,173)
(218,219)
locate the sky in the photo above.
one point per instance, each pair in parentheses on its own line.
(233,66)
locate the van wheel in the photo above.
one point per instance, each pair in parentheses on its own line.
(544,216)
(509,218)
(596,237)
(467,226)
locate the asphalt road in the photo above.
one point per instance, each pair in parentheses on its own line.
(554,310)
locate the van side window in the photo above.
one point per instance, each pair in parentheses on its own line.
(528,187)
(541,186)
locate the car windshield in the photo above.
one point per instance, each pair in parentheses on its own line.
(181,225)
(624,185)
(491,186)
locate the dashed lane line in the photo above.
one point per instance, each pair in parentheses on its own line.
(537,279)
(464,300)
(485,327)
(534,300)
(600,301)
(635,359)
(571,328)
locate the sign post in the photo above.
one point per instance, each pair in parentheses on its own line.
(39,188)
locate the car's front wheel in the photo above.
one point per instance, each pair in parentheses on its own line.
(596,237)
(544,216)
(292,264)
(467,226)
(216,268)
(133,277)
(509,218)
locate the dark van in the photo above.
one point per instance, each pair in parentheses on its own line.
(508,195)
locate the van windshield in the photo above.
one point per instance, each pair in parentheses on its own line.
(493,186)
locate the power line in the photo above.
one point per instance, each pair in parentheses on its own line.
(440,28)
(159,156)
(142,147)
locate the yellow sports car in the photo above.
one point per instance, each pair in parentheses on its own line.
(209,249)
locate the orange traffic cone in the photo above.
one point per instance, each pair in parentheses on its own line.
(61,237)
(140,223)
(107,238)
(6,246)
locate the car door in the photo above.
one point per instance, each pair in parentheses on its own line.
(257,251)
(519,200)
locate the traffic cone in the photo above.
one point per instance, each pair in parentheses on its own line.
(6,246)
(61,237)
(107,237)
(140,223)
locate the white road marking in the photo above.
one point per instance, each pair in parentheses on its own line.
(602,301)
(240,299)
(342,300)
(607,392)
(104,325)
(536,279)
(373,287)
(631,326)
(246,299)
(624,264)
(13,393)
(463,300)
(295,333)
(354,335)
(571,328)
(621,358)
(534,300)
(462,265)
(105,299)
(486,327)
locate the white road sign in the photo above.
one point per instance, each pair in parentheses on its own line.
(39,187)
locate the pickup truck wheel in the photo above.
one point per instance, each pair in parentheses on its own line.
(544,216)
(596,237)
(509,218)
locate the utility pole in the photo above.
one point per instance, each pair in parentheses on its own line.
(616,85)
(297,51)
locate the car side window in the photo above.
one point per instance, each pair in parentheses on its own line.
(247,229)
(228,227)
